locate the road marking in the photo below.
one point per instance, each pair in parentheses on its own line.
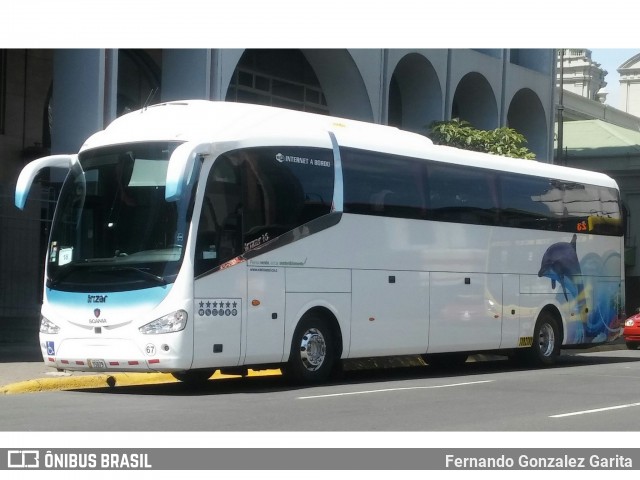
(364,392)
(595,410)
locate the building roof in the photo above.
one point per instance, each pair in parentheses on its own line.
(633,62)
(586,138)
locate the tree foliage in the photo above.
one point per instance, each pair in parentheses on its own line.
(461,134)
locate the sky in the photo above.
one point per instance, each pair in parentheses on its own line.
(610,59)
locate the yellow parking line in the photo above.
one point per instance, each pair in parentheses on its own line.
(107,380)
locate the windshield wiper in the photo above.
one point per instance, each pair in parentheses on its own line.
(63,274)
(147,275)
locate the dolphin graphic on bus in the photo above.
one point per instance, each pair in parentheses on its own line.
(560,263)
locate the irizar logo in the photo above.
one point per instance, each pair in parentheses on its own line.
(97,298)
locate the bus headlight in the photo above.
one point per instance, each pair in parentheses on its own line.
(47,326)
(173,322)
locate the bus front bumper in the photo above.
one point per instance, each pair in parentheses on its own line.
(111,355)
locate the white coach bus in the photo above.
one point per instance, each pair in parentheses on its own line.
(197,236)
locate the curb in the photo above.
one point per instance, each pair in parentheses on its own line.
(107,380)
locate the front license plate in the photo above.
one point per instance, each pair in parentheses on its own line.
(97,363)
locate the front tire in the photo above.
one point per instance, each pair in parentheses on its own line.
(313,351)
(632,345)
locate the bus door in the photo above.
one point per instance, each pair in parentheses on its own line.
(220,285)
(218,312)
(265,315)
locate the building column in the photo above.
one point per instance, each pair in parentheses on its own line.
(186,74)
(78,97)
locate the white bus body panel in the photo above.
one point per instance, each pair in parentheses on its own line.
(390,313)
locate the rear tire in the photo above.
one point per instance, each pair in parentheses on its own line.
(313,351)
(545,349)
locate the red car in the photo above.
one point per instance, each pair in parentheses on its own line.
(631,332)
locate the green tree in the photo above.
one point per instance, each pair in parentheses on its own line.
(461,134)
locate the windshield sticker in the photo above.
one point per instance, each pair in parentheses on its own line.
(66,255)
(281,158)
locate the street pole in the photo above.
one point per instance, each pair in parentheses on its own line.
(559,150)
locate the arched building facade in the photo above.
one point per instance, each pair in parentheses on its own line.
(52,100)
(405,88)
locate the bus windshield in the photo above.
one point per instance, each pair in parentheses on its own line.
(113,229)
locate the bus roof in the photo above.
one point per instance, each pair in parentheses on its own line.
(209,121)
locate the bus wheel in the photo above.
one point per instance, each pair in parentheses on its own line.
(545,349)
(312,351)
(193,377)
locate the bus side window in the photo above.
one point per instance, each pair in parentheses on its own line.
(462,194)
(381,184)
(283,188)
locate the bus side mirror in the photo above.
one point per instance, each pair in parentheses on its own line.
(181,168)
(29,172)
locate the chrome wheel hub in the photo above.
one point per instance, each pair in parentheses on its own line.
(546,340)
(313,349)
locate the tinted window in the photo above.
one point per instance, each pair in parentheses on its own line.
(529,202)
(393,186)
(546,204)
(255,195)
(462,194)
(377,184)
(284,187)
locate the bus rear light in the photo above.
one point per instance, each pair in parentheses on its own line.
(173,322)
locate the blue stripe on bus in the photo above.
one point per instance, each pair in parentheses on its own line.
(148,296)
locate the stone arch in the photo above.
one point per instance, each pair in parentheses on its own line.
(316,80)
(475,102)
(526,115)
(415,94)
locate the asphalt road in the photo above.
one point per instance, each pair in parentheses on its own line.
(597,391)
